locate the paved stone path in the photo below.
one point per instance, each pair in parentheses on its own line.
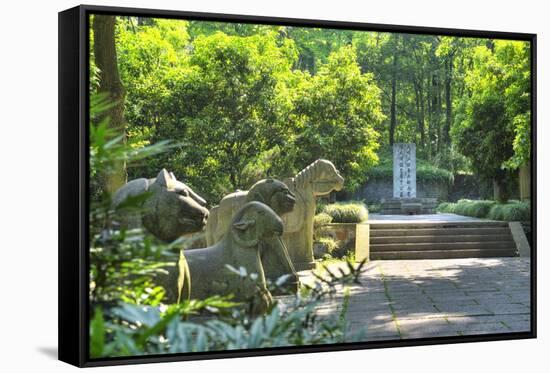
(433,298)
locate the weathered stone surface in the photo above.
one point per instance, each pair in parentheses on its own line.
(404,170)
(362,242)
(274,194)
(318,179)
(436,298)
(254,228)
(271,192)
(520,239)
(296,206)
(170,210)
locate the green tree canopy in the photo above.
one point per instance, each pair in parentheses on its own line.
(340,106)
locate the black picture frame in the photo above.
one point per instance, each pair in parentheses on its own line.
(73,248)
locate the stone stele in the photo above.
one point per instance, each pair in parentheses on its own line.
(404,170)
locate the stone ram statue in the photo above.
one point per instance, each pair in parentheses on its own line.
(170,210)
(274,194)
(254,228)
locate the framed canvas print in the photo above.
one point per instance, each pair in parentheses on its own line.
(234,186)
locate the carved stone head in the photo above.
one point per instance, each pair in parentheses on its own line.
(255,222)
(173,209)
(273,193)
(327,178)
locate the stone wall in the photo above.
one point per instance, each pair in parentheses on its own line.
(373,191)
(469,187)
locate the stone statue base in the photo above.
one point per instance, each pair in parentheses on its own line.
(408,206)
(304,265)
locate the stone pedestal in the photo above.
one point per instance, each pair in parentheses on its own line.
(362,242)
(408,206)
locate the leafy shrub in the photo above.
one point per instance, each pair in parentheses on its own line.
(319,222)
(477,209)
(324,246)
(321,219)
(137,330)
(347,212)
(128,317)
(514,211)
(447,207)
(511,211)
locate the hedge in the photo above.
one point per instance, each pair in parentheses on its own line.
(511,211)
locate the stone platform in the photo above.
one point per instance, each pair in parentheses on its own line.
(438,236)
(408,206)
(436,298)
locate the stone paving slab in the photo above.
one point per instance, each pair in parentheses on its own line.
(403,299)
(424,218)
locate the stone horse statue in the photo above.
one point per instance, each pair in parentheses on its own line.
(318,179)
(251,230)
(170,209)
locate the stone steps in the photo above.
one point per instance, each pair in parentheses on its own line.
(440,240)
(505,237)
(482,224)
(438,254)
(438,232)
(442,246)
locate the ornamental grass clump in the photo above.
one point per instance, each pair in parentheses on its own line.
(347,212)
(477,209)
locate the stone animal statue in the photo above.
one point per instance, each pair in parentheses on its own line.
(252,229)
(318,179)
(274,194)
(271,192)
(170,210)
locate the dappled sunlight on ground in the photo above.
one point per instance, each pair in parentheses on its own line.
(433,298)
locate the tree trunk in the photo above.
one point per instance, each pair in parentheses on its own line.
(419,100)
(430,115)
(525,182)
(111,85)
(393,118)
(448,100)
(436,107)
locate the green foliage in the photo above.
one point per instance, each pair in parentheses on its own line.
(347,212)
(319,222)
(339,108)
(329,246)
(511,211)
(245,101)
(133,330)
(129,318)
(321,219)
(123,264)
(235,114)
(492,125)
(477,209)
